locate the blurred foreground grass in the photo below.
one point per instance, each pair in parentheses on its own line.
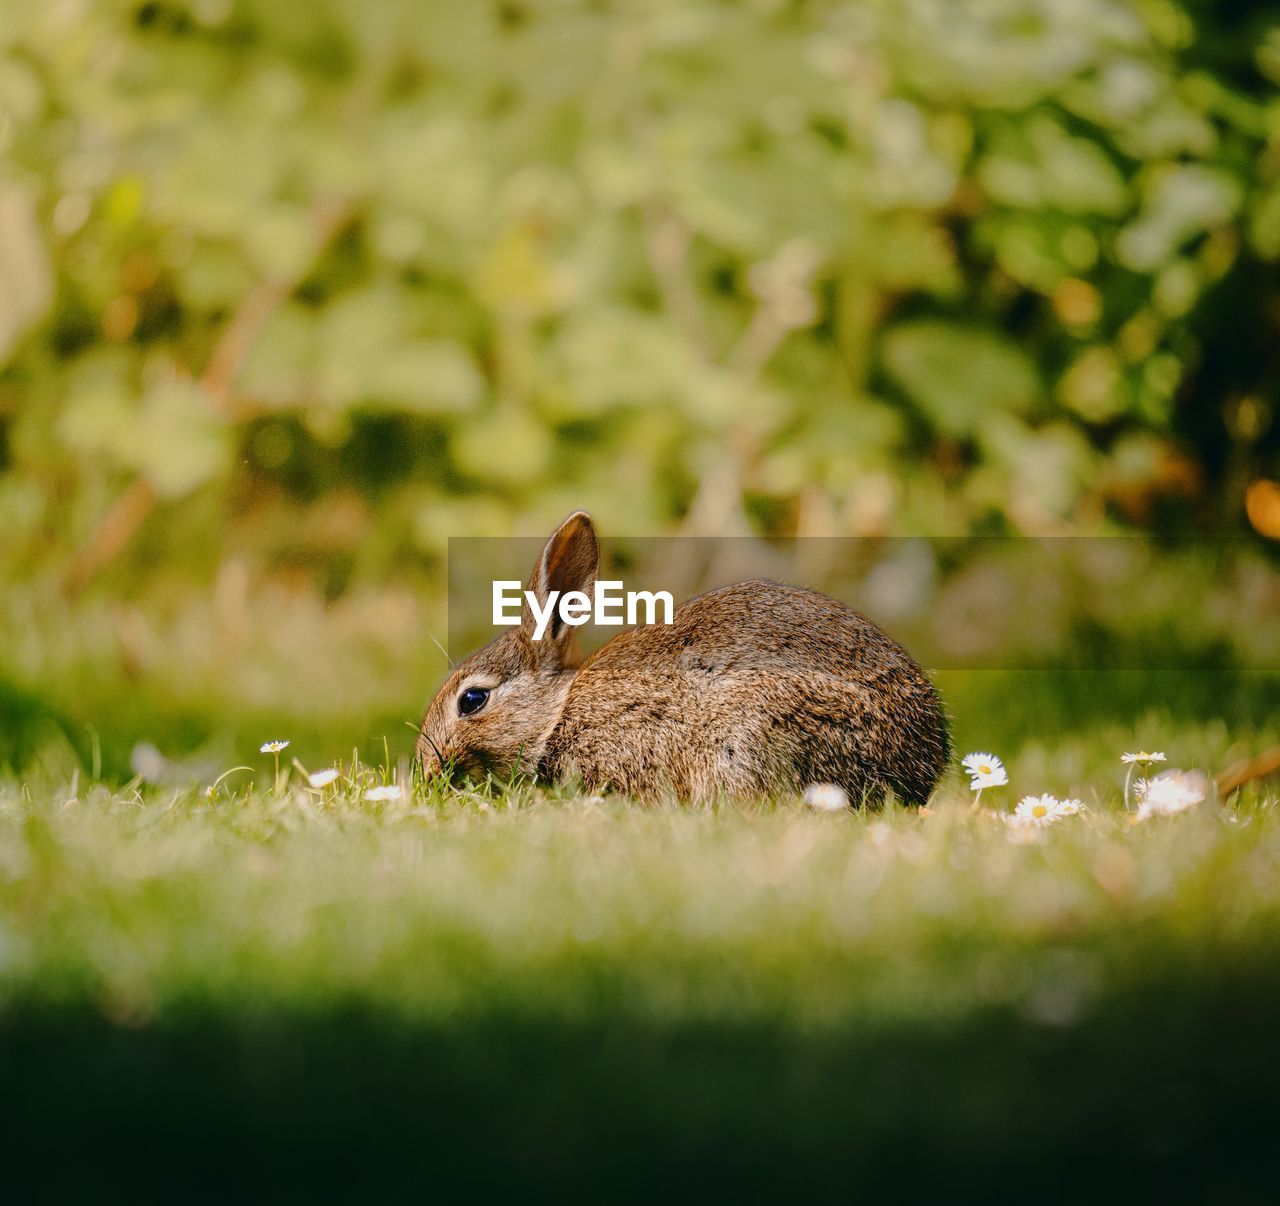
(471,994)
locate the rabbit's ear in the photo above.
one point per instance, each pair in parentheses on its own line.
(570,561)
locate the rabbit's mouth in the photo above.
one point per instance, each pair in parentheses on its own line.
(476,765)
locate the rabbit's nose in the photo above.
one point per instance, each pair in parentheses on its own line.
(430,756)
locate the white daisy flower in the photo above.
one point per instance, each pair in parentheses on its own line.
(272,747)
(1170,792)
(391,791)
(1043,810)
(826,797)
(322,778)
(1142,757)
(984,770)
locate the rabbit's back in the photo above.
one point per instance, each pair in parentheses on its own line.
(753,688)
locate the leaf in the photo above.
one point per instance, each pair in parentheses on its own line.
(26,285)
(179,442)
(1179,202)
(507,447)
(279,240)
(519,276)
(1264,223)
(909,253)
(956,374)
(427,376)
(617,358)
(98,420)
(358,331)
(1044,167)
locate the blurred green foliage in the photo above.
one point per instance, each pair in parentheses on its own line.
(290,293)
(359,276)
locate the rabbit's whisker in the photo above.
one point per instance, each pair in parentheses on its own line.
(447,658)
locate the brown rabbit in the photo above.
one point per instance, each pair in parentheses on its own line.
(752,690)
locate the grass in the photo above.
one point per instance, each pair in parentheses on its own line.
(474,993)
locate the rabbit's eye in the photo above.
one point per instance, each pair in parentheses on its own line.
(472,700)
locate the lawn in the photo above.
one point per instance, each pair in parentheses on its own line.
(294,990)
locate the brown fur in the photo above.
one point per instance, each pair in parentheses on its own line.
(753,689)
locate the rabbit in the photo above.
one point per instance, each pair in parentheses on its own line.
(752,690)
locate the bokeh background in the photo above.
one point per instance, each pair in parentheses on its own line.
(292,293)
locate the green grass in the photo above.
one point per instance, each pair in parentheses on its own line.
(473,993)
